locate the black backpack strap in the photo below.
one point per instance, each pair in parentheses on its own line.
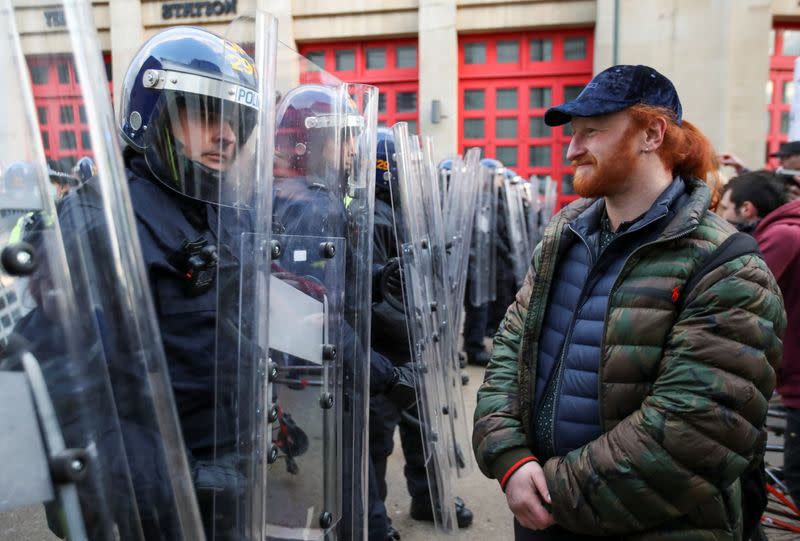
(736,245)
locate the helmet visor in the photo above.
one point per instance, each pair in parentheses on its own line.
(200,138)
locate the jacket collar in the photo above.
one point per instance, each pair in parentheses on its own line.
(684,202)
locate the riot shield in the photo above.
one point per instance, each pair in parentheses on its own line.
(320,293)
(516,226)
(97,452)
(424,284)
(236,487)
(461,200)
(549,202)
(482,262)
(533,206)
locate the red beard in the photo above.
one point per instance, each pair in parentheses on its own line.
(609,177)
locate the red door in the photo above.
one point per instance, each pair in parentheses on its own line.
(389,65)
(507,82)
(780,87)
(60,109)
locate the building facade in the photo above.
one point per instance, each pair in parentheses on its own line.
(481,72)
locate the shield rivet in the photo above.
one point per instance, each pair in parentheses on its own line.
(18,259)
(273,454)
(276,249)
(326,401)
(327,250)
(329,352)
(325,520)
(273,414)
(272,371)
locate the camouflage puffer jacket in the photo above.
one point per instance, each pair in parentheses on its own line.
(682,391)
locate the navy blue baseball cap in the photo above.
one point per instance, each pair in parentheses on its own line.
(615,89)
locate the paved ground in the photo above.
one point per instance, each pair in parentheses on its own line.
(483,496)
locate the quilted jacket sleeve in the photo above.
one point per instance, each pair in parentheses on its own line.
(499,439)
(696,432)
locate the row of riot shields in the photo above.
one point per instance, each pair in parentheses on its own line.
(539,196)
(483,264)
(434,257)
(188,353)
(514,196)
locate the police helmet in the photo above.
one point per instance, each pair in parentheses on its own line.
(309,119)
(85,169)
(493,165)
(20,187)
(386,163)
(183,82)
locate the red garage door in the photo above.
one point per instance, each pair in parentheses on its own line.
(389,65)
(60,108)
(785,48)
(507,82)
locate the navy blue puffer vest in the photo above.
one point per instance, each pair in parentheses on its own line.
(566,410)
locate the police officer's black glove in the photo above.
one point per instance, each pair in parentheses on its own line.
(391,286)
(402,391)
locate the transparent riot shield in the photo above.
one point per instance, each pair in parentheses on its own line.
(516,226)
(497,184)
(533,207)
(320,293)
(482,264)
(235,489)
(550,191)
(422,294)
(460,203)
(93,448)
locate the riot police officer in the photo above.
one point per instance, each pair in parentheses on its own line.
(316,196)
(189,105)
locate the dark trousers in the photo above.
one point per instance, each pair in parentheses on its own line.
(383,418)
(475,320)
(377,519)
(791,454)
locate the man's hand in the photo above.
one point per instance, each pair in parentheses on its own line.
(526,493)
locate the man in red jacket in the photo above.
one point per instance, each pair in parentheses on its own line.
(752,202)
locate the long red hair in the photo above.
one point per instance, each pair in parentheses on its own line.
(686,151)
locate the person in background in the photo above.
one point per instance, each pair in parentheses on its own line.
(754,202)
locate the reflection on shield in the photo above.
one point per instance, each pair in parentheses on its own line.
(97,451)
(307,330)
